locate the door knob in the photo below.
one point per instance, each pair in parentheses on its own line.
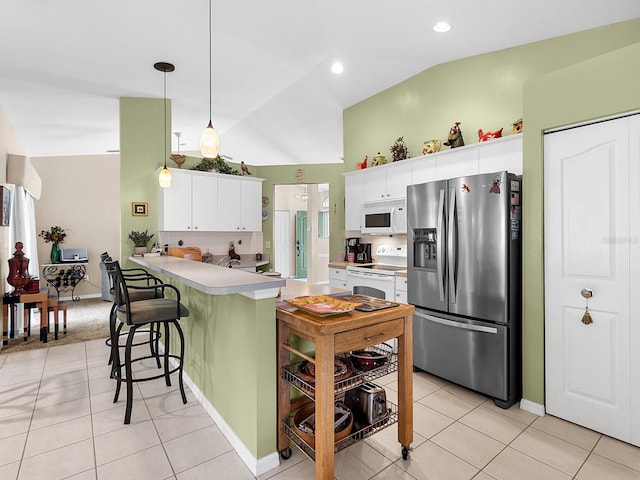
(587,293)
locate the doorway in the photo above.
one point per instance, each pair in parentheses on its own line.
(302,247)
(591,264)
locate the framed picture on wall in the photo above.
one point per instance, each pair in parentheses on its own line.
(5,214)
(139,209)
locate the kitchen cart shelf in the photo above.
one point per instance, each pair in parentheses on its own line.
(355,436)
(358,377)
(348,332)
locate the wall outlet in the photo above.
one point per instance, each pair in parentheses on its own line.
(86,277)
(267,244)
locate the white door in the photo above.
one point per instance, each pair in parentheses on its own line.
(634,286)
(282,243)
(587,246)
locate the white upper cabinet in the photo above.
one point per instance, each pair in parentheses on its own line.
(388,181)
(240,202)
(204,195)
(391,180)
(458,162)
(189,204)
(207,202)
(495,156)
(354,196)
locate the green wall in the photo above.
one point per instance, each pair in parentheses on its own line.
(599,87)
(231,357)
(554,82)
(141,154)
(318,173)
(485,91)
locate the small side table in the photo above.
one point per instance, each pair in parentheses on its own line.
(64,277)
(13,301)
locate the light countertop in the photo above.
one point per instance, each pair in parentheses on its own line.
(211,279)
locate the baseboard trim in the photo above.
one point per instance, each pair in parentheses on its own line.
(89,295)
(257,466)
(532,407)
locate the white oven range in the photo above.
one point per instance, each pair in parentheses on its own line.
(381,275)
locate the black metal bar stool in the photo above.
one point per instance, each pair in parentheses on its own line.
(159,312)
(139,277)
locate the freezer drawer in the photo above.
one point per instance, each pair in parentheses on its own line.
(470,353)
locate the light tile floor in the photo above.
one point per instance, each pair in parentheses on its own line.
(57,420)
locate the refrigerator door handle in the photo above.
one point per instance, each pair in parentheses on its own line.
(452,323)
(452,245)
(439,249)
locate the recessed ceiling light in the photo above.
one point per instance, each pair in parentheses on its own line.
(441,27)
(337,68)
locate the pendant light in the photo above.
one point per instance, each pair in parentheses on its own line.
(209,140)
(165,175)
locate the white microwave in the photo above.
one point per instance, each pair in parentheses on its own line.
(385,217)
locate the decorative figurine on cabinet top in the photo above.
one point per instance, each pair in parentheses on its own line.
(399,150)
(431,146)
(484,136)
(378,160)
(517,126)
(454,139)
(362,165)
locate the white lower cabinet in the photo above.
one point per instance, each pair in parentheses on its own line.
(401,289)
(338,277)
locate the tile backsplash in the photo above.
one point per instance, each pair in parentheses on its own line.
(217,243)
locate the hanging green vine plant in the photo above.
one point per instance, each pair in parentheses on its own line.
(217,165)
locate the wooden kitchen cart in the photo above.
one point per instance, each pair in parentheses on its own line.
(332,335)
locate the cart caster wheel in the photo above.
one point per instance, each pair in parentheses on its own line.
(405,453)
(286,453)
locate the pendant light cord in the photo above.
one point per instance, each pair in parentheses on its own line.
(165,120)
(210,61)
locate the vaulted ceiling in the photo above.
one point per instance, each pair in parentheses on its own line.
(64,64)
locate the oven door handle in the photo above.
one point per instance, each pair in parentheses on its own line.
(384,278)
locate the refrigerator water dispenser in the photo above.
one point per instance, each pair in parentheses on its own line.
(424,248)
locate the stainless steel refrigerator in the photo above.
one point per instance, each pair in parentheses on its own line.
(463,262)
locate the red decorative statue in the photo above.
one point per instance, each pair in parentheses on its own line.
(18,271)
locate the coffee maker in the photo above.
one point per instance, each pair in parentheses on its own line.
(350,249)
(363,253)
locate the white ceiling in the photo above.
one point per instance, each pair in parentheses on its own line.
(65,63)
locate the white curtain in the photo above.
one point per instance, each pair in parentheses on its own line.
(23,227)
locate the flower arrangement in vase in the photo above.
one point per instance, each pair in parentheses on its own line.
(55,235)
(399,150)
(140,241)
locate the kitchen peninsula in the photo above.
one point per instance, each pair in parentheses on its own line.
(230,348)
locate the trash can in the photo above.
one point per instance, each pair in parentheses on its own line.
(106,285)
